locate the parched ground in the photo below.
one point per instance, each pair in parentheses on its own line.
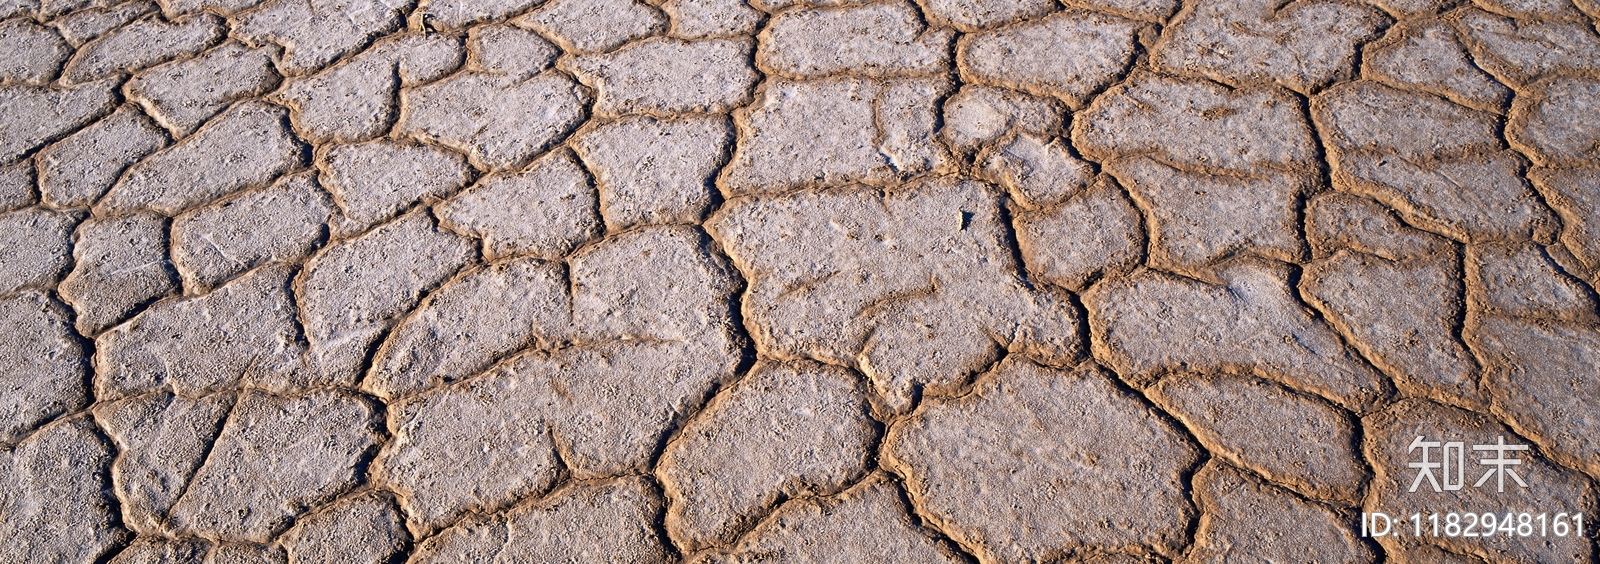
(1101,281)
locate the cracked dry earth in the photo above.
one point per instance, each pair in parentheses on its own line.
(1096,281)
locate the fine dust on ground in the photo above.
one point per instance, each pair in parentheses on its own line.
(744,281)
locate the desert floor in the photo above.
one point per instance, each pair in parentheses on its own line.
(798,280)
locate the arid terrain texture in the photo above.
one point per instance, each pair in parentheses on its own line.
(731,281)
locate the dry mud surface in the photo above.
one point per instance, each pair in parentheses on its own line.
(1103,281)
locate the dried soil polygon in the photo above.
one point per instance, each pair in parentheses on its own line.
(1440,165)
(34,53)
(833,132)
(1366,115)
(65,514)
(78,170)
(314,33)
(223,7)
(1339,220)
(700,19)
(252,137)
(1196,123)
(1036,172)
(1245,520)
(1152,323)
(163,440)
(158,550)
(1292,440)
(142,44)
(1021,470)
(650,171)
(881,40)
(1520,52)
(453,335)
(1402,314)
(1476,198)
(594,26)
(362,530)
(457,14)
(499,121)
(978,115)
(1386,444)
(509,50)
(1428,56)
(275,456)
(545,210)
(663,76)
(975,15)
(601,522)
(789,429)
(349,297)
(284,222)
(375,181)
(495,425)
(43,367)
(183,94)
(17,186)
(1541,378)
(913,286)
(241,333)
(1556,124)
(1094,235)
(1069,55)
(120,265)
(358,98)
(1575,196)
(1304,46)
(35,116)
(1522,280)
(85,25)
(36,249)
(869,521)
(1196,218)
